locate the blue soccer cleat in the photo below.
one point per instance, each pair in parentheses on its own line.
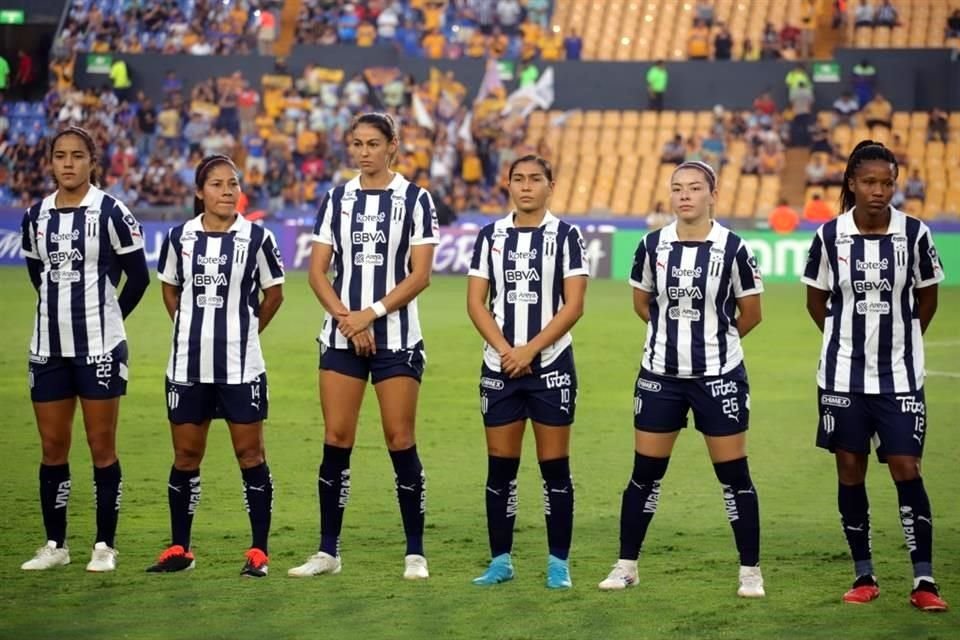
(500,570)
(558,573)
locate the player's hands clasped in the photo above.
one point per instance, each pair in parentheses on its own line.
(515,362)
(354,322)
(364,344)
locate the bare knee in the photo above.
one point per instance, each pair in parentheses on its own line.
(342,437)
(103,449)
(851,468)
(55,448)
(249,457)
(399,438)
(903,468)
(187,457)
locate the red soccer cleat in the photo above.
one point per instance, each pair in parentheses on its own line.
(863,591)
(926,597)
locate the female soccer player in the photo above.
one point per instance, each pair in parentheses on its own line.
(77,242)
(690,280)
(527,281)
(378,231)
(871,279)
(213,268)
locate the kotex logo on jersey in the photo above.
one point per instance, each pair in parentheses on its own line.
(867,265)
(680,272)
(371,217)
(513,256)
(362,259)
(65,237)
(217,260)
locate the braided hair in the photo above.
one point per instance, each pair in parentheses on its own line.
(865,150)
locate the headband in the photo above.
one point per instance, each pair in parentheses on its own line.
(703,167)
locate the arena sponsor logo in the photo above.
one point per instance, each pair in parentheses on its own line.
(371,217)
(555,379)
(523,297)
(835,401)
(676,313)
(64,276)
(720,388)
(210,302)
(208,279)
(679,272)
(867,308)
(865,265)
(910,404)
(522,255)
(219,260)
(649,385)
(362,259)
(58,257)
(521,275)
(865,286)
(491,383)
(360,237)
(680,293)
(65,237)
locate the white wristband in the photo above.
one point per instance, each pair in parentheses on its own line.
(379,309)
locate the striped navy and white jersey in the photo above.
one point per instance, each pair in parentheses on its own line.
(526,267)
(220,275)
(77,313)
(872,341)
(372,232)
(692,330)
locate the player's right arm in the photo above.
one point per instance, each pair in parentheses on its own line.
(642,280)
(816,276)
(168,271)
(478,289)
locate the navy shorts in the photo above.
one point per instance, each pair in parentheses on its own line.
(721,404)
(94,377)
(547,396)
(197,402)
(896,422)
(385,363)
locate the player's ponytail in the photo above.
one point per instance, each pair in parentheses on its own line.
(203,170)
(864,151)
(88,142)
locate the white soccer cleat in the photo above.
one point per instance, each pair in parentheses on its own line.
(48,556)
(751,583)
(317,564)
(415,567)
(623,575)
(103,559)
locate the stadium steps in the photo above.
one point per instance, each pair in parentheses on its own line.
(794,177)
(288,27)
(826,38)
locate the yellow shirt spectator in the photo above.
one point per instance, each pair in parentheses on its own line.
(498,45)
(431,18)
(433,44)
(698,43)
(366,34)
(551,46)
(307,141)
(472,170)
(477,45)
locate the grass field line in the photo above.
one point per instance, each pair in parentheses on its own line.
(940,344)
(944,374)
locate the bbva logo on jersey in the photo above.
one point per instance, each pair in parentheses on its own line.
(676,293)
(863,286)
(521,275)
(359,237)
(56,257)
(206,279)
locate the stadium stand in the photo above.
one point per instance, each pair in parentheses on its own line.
(919,24)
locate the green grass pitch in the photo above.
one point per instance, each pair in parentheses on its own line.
(688,569)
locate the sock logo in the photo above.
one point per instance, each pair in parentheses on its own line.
(194,495)
(423,492)
(512,500)
(63,495)
(344,489)
(730,503)
(909,533)
(653,498)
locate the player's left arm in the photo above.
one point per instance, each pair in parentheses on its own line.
(126,238)
(749,315)
(926,305)
(269,304)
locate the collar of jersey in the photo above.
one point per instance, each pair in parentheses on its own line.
(196,224)
(50,202)
(898,223)
(395,184)
(548,217)
(716,234)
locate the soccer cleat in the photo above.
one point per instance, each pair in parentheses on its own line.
(48,556)
(926,597)
(317,564)
(103,559)
(256,565)
(174,558)
(415,567)
(623,575)
(751,583)
(865,589)
(500,570)
(558,573)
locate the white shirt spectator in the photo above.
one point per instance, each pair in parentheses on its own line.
(356,93)
(508,12)
(863,14)
(387,24)
(202,48)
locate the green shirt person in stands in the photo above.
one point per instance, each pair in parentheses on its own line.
(656,85)
(4,73)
